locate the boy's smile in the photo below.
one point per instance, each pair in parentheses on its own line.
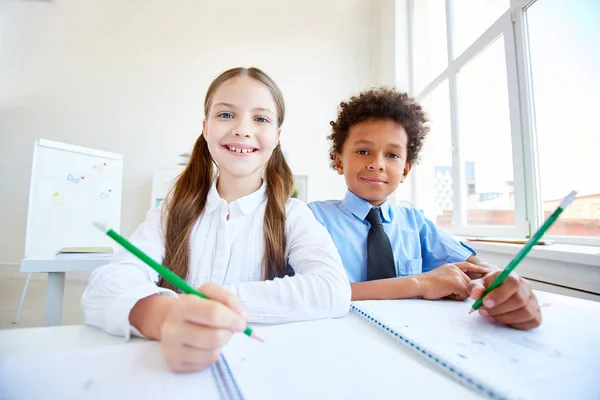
(373,159)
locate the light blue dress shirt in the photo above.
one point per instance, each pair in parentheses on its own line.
(418,244)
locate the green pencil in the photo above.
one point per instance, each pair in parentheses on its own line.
(528,246)
(163,271)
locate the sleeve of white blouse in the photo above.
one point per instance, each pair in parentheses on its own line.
(320,286)
(115,288)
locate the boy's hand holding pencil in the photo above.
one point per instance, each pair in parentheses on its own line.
(513,303)
(506,298)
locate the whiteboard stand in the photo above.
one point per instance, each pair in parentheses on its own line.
(55,290)
(16,316)
(57,269)
(71,187)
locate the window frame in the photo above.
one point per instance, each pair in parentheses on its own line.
(512,25)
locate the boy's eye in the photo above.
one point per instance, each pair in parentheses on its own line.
(362,152)
(262,120)
(393,155)
(225,115)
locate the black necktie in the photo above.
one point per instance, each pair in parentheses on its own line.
(380,264)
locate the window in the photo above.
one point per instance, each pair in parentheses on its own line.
(566,88)
(510,98)
(430,52)
(484,126)
(434,172)
(472,18)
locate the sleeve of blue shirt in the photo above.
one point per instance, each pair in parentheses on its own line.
(438,247)
(316,212)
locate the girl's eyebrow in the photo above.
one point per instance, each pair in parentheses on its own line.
(228,105)
(263,109)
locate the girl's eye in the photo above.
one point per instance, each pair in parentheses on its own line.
(225,115)
(362,152)
(262,120)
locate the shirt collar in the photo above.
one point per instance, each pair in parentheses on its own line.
(360,207)
(249,203)
(246,204)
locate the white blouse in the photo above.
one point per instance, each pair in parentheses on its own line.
(228,252)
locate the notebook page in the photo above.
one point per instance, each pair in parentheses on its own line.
(128,371)
(560,359)
(332,359)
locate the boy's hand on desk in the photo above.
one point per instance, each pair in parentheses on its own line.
(195,329)
(448,280)
(512,303)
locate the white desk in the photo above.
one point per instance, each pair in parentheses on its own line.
(57,269)
(31,341)
(422,378)
(48,340)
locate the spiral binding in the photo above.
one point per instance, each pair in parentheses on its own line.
(226,384)
(457,373)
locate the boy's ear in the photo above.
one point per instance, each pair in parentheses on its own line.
(407,168)
(337,161)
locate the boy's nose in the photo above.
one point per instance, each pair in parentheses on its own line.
(376,164)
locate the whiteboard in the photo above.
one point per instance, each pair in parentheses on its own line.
(71,187)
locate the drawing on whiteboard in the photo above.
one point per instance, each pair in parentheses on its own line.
(57,197)
(106,195)
(65,197)
(99,167)
(71,178)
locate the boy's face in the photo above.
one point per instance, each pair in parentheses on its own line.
(373,159)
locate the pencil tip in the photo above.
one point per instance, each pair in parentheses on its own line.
(100,226)
(255,336)
(471,311)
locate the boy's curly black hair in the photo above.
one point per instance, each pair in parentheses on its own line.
(381,103)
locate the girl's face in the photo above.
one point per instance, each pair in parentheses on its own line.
(241,129)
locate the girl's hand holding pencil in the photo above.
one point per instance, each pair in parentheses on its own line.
(191,330)
(193,327)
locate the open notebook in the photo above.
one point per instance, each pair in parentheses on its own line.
(127,371)
(560,359)
(348,359)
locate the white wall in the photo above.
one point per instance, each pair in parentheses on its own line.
(130,76)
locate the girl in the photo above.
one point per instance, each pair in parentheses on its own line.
(275,261)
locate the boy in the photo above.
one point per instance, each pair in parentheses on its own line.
(393,252)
